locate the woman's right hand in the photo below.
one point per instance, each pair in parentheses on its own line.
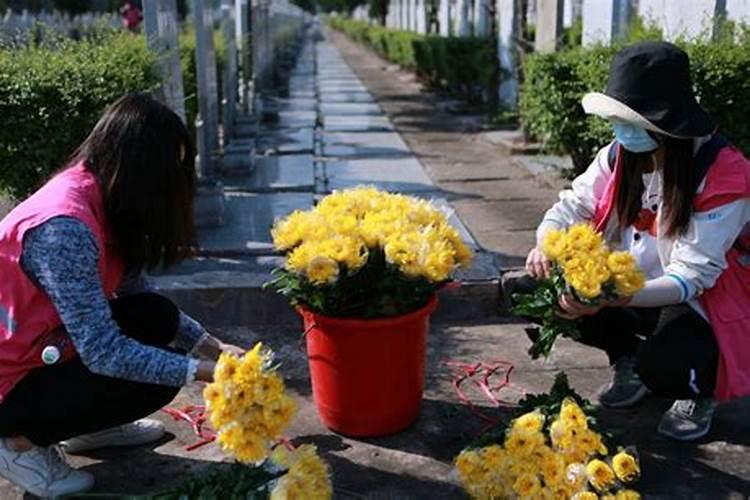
(537,264)
(205,372)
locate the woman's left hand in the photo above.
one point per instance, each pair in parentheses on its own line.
(574,309)
(232,349)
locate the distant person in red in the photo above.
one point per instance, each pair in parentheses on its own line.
(131,16)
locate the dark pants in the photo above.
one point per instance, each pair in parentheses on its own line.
(675,349)
(57,402)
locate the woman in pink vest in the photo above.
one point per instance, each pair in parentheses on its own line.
(86,348)
(674,193)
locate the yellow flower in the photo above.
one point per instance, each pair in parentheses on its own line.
(467,463)
(628,495)
(629,283)
(600,475)
(247,404)
(585,495)
(575,476)
(522,443)
(322,270)
(553,469)
(621,262)
(572,415)
(553,244)
(402,250)
(527,486)
(299,258)
(308,476)
(626,467)
(531,422)
(591,442)
(493,457)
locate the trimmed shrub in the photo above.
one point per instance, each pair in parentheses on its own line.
(550,100)
(50,98)
(462,66)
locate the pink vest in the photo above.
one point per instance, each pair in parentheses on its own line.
(727,304)
(28,320)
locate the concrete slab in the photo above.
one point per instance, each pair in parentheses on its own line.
(349,108)
(277,173)
(286,141)
(295,119)
(291,103)
(327,87)
(343,144)
(403,175)
(249,218)
(355,123)
(346,97)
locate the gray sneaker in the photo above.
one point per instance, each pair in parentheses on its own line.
(626,388)
(688,419)
(42,471)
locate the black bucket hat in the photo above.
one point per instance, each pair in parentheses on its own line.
(650,86)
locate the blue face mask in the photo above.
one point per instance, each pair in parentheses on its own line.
(634,138)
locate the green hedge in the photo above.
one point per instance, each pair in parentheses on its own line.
(555,83)
(50,97)
(462,66)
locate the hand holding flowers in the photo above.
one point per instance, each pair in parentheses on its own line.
(583,275)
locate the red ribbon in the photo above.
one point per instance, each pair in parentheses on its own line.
(480,374)
(195,415)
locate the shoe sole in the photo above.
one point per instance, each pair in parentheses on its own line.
(684,437)
(631,401)
(144,439)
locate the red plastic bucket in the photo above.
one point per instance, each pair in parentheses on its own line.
(368,374)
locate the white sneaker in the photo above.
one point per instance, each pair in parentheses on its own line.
(136,433)
(42,471)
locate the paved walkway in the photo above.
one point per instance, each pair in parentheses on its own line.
(437,153)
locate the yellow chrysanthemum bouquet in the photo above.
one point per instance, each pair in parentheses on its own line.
(249,407)
(583,267)
(551,452)
(366,253)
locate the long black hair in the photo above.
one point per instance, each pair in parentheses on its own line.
(681,182)
(141,154)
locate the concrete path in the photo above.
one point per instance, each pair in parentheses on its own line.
(499,204)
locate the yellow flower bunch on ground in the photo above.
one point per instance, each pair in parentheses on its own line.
(248,405)
(588,265)
(307,477)
(565,459)
(345,226)
(250,409)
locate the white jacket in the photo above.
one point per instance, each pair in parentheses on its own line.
(691,262)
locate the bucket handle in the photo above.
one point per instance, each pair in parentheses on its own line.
(301,342)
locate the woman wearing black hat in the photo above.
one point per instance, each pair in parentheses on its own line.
(676,194)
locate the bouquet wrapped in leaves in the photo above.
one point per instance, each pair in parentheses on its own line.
(551,450)
(366,253)
(582,267)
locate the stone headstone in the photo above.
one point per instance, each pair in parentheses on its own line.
(444,17)
(229,99)
(420,16)
(207,125)
(463,23)
(695,22)
(161,27)
(738,10)
(548,25)
(243,42)
(481,18)
(509,20)
(571,12)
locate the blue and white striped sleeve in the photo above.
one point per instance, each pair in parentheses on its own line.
(61,256)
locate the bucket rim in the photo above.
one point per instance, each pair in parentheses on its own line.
(364,323)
